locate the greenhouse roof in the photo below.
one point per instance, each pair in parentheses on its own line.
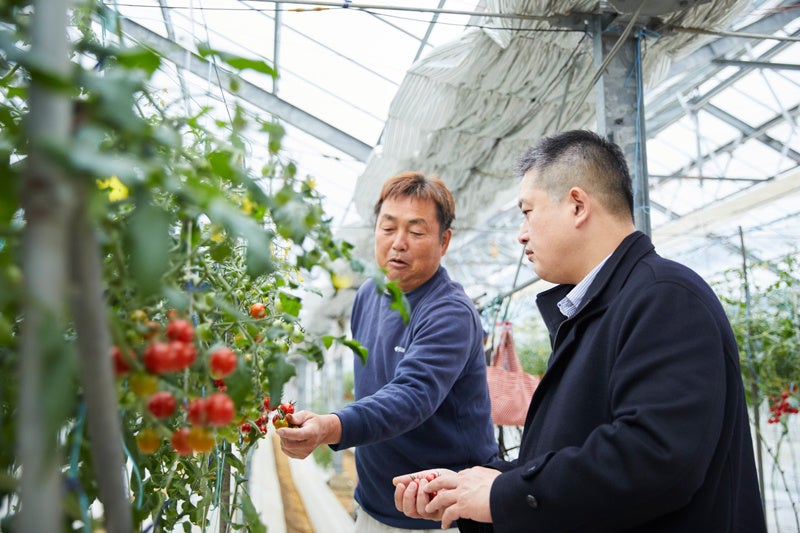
(460,88)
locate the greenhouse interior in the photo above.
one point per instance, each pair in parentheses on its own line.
(191,187)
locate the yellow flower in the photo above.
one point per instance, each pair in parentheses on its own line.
(217,234)
(248,206)
(341,281)
(116,189)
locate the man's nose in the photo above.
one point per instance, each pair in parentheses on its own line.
(400,241)
(522,235)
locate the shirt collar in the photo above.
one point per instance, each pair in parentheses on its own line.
(570,304)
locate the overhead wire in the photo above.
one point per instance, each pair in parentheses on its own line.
(319,6)
(367,8)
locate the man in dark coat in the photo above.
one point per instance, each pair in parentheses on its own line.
(639,423)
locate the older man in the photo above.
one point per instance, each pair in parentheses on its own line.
(421,398)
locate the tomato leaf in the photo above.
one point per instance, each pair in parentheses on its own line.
(290,304)
(278,372)
(250,514)
(239,384)
(360,351)
(148,234)
(237,62)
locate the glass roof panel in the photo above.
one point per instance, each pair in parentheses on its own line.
(343,66)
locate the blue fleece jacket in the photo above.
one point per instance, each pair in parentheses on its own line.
(421,398)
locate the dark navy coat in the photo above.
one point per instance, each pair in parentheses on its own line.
(639,423)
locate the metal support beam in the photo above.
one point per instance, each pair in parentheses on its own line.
(620,110)
(757,64)
(749,132)
(257,96)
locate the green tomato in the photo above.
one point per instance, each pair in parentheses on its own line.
(204,332)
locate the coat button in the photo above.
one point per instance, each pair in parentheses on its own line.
(531,500)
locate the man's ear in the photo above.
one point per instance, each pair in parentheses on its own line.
(581,205)
(446,239)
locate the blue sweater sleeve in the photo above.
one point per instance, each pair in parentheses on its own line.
(440,340)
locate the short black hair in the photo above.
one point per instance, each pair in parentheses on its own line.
(585,159)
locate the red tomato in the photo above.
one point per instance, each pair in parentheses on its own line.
(121,362)
(196,412)
(161,404)
(180,441)
(158,358)
(222,362)
(220,409)
(287,408)
(430,477)
(266,403)
(180,329)
(258,310)
(183,354)
(151,329)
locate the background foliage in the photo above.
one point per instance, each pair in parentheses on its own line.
(190,225)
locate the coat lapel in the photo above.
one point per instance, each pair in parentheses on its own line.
(566,332)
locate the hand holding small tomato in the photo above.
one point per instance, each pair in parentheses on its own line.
(314,430)
(464,495)
(410,496)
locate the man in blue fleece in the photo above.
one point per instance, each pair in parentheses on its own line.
(421,399)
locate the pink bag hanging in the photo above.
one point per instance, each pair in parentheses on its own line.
(510,387)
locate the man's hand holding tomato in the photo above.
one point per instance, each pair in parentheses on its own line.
(457,495)
(315,430)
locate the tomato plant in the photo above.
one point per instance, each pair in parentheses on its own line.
(189,228)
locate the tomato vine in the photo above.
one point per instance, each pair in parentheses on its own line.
(204,247)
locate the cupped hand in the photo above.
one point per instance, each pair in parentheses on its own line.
(410,495)
(464,495)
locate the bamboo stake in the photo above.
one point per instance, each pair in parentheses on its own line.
(48,207)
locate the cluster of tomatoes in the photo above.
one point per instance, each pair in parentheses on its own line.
(173,353)
(783,405)
(278,415)
(430,476)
